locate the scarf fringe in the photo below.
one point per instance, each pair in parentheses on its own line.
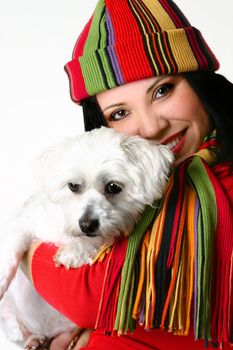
(176,269)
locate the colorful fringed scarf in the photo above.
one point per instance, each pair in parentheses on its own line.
(176,268)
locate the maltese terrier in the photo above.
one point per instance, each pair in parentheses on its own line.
(93,189)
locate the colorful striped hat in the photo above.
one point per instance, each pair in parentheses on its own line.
(129,40)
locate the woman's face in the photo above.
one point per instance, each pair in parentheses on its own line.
(164,109)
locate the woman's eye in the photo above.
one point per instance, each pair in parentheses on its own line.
(162,91)
(118,115)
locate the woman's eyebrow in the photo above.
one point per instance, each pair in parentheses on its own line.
(113,105)
(157,80)
(120,104)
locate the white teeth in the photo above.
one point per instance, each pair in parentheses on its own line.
(173,143)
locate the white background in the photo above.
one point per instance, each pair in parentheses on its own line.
(36,40)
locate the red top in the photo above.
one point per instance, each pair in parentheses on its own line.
(84,289)
(76,294)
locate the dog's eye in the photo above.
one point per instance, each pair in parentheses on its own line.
(113,188)
(74,187)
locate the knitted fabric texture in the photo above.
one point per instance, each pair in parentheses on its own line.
(176,269)
(129,40)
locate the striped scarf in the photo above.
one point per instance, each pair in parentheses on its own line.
(176,268)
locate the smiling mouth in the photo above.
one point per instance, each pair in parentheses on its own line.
(175,142)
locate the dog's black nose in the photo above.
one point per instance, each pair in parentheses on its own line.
(88,225)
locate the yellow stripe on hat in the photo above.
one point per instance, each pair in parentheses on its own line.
(162,17)
(182,51)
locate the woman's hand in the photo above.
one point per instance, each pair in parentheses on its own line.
(75,340)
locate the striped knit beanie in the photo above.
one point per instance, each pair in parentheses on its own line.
(129,40)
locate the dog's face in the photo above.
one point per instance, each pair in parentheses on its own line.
(103,179)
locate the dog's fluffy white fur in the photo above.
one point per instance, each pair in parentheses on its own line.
(93,188)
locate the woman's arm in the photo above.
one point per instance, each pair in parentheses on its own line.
(74,292)
(27,260)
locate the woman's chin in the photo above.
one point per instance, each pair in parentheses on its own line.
(180,159)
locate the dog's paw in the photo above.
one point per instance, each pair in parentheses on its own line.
(76,254)
(37,342)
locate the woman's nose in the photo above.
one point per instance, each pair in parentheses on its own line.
(151,126)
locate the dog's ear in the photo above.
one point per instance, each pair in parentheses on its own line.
(48,166)
(150,166)
(42,165)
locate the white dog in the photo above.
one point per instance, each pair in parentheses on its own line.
(93,188)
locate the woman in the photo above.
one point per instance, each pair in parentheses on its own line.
(141,68)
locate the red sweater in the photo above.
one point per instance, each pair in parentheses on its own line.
(76,294)
(84,289)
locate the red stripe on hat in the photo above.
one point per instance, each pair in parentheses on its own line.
(77,84)
(176,19)
(155,46)
(158,56)
(123,31)
(80,43)
(169,53)
(202,62)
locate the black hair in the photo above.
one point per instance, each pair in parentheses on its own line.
(216,94)
(93,116)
